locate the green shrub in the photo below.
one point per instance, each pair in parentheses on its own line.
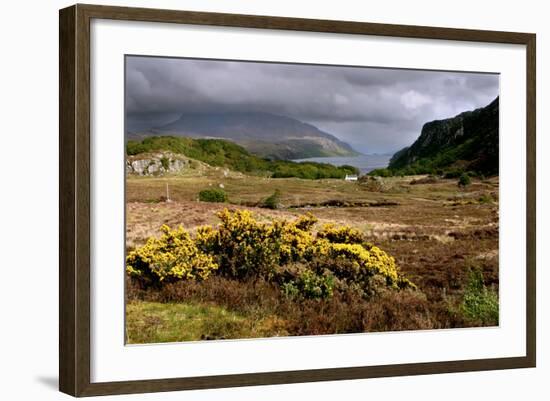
(480,304)
(213,195)
(464,180)
(485,198)
(309,285)
(373,184)
(165,162)
(274,201)
(453,173)
(290,290)
(381,172)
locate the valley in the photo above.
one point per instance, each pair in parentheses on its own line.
(227,237)
(437,233)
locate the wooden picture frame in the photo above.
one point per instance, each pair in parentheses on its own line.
(74,200)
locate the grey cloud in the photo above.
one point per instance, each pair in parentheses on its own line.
(374,109)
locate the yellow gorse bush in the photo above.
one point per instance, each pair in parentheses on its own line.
(240,247)
(355,263)
(173,256)
(296,240)
(341,234)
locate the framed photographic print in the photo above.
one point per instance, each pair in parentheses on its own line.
(250,200)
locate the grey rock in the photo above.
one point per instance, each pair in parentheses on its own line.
(158,163)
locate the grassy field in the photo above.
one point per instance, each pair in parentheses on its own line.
(157,322)
(436,231)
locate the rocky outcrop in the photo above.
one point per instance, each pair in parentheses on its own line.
(470,138)
(156,164)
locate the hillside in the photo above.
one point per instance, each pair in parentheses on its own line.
(222,153)
(468,141)
(267,135)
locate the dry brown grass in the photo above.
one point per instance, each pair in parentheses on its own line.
(436,232)
(345,312)
(143,220)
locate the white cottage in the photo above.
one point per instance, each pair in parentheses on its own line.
(350,177)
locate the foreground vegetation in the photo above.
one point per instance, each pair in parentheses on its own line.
(221,153)
(222,308)
(286,253)
(442,237)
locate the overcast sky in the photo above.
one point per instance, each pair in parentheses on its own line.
(375,110)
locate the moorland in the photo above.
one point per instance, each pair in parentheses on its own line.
(223,243)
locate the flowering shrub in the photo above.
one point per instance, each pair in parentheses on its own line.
(296,242)
(287,252)
(242,246)
(171,257)
(344,251)
(341,235)
(367,267)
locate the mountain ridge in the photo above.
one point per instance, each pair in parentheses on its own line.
(467,141)
(265,134)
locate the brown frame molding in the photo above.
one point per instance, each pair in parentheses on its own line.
(74,199)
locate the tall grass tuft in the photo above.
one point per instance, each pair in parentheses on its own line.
(480,303)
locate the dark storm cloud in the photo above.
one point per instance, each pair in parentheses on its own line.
(373,109)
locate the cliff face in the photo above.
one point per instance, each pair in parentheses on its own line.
(469,139)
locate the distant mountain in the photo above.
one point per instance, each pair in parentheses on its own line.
(267,135)
(468,141)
